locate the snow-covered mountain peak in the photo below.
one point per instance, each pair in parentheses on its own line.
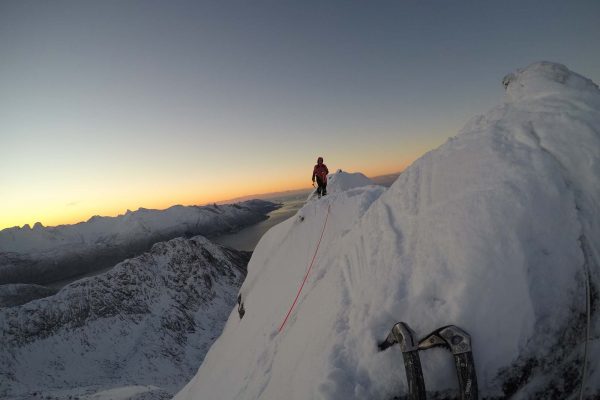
(496,231)
(342,181)
(148,321)
(544,78)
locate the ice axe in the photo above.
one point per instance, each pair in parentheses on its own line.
(450,337)
(405,337)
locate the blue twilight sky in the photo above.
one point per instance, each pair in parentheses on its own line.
(110,105)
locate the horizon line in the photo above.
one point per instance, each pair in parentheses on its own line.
(255,196)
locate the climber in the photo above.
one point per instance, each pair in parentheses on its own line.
(320,172)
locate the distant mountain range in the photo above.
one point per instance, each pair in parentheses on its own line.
(41,255)
(386,180)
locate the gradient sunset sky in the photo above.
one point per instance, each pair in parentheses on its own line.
(113,105)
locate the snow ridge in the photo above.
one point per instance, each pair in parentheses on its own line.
(494,231)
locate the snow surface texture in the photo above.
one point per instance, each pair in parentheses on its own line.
(495,231)
(42,255)
(139,330)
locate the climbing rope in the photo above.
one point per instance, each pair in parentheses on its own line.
(307,272)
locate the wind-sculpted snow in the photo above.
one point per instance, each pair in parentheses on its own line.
(495,231)
(148,321)
(47,254)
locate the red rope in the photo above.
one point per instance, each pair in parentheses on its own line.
(307,272)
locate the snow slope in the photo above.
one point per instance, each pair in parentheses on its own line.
(143,327)
(47,254)
(495,231)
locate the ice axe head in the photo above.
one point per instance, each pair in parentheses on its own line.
(451,336)
(402,334)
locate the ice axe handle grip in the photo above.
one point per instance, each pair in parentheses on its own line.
(467,379)
(414,376)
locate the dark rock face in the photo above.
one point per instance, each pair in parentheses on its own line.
(148,321)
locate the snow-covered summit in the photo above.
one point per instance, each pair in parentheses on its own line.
(545,78)
(342,181)
(496,231)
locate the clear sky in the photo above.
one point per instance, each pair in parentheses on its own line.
(110,105)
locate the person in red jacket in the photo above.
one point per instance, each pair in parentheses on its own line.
(320,173)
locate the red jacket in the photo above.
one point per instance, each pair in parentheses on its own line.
(320,171)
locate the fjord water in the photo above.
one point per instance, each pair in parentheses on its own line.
(247,238)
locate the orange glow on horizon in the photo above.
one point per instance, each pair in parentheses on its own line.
(199,194)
